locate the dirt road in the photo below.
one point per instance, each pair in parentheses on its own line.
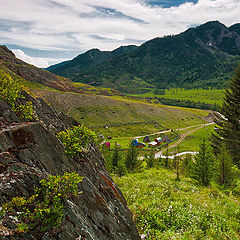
(182,137)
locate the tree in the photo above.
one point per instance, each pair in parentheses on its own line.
(228,125)
(204,164)
(121,167)
(150,158)
(224,167)
(131,157)
(115,156)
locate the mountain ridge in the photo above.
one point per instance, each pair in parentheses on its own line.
(204,56)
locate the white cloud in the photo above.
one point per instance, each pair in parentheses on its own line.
(36,61)
(79,25)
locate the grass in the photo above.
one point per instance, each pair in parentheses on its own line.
(193,140)
(196,95)
(164,208)
(94,110)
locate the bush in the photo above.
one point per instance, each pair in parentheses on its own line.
(10,92)
(76,139)
(43,211)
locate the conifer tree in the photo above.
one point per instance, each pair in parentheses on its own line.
(115,156)
(224,167)
(203,168)
(131,157)
(228,130)
(151,158)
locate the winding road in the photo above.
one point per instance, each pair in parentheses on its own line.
(182,137)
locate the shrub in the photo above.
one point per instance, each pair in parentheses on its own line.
(10,92)
(76,139)
(43,211)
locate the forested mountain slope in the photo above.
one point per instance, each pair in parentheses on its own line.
(204,56)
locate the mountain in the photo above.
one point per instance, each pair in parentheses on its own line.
(19,69)
(204,56)
(87,60)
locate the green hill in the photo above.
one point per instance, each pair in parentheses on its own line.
(164,208)
(204,56)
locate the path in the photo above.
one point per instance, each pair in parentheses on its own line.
(182,137)
(179,129)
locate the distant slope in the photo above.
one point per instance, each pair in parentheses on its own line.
(87,60)
(204,56)
(25,71)
(93,110)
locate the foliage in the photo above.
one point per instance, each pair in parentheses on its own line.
(188,104)
(224,167)
(121,168)
(131,157)
(150,158)
(228,128)
(116,156)
(164,208)
(76,139)
(185,60)
(43,211)
(11,92)
(204,164)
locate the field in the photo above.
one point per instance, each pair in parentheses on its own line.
(164,208)
(196,95)
(95,111)
(193,140)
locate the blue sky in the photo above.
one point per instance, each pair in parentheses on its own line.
(44,32)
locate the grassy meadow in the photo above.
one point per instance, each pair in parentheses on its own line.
(95,111)
(164,208)
(214,96)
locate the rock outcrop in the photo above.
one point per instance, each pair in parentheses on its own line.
(30,151)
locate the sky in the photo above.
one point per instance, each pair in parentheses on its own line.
(45,32)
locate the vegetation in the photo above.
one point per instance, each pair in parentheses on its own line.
(164,208)
(76,139)
(43,211)
(186,60)
(204,165)
(11,93)
(228,128)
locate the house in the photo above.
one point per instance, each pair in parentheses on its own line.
(141,145)
(147,139)
(158,140)
(166,139)
(107,144)
(153,144)
(134,142)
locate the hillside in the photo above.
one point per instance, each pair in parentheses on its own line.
(88,60)
(119,113)
(204,56)
(33,75)
(165,208)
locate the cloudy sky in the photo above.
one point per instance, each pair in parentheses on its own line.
(44,32)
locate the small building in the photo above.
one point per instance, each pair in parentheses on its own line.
(134,142)
(158,140)
(147,139)
(107,144)
(141,145)
(153,144)
(166,139)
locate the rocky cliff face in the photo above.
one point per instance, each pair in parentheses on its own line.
(30,151)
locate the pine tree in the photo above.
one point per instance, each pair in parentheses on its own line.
(131,157)
(204,164)
(224,167)
(115,156)
(228,130)
(151,158)
(121,167)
